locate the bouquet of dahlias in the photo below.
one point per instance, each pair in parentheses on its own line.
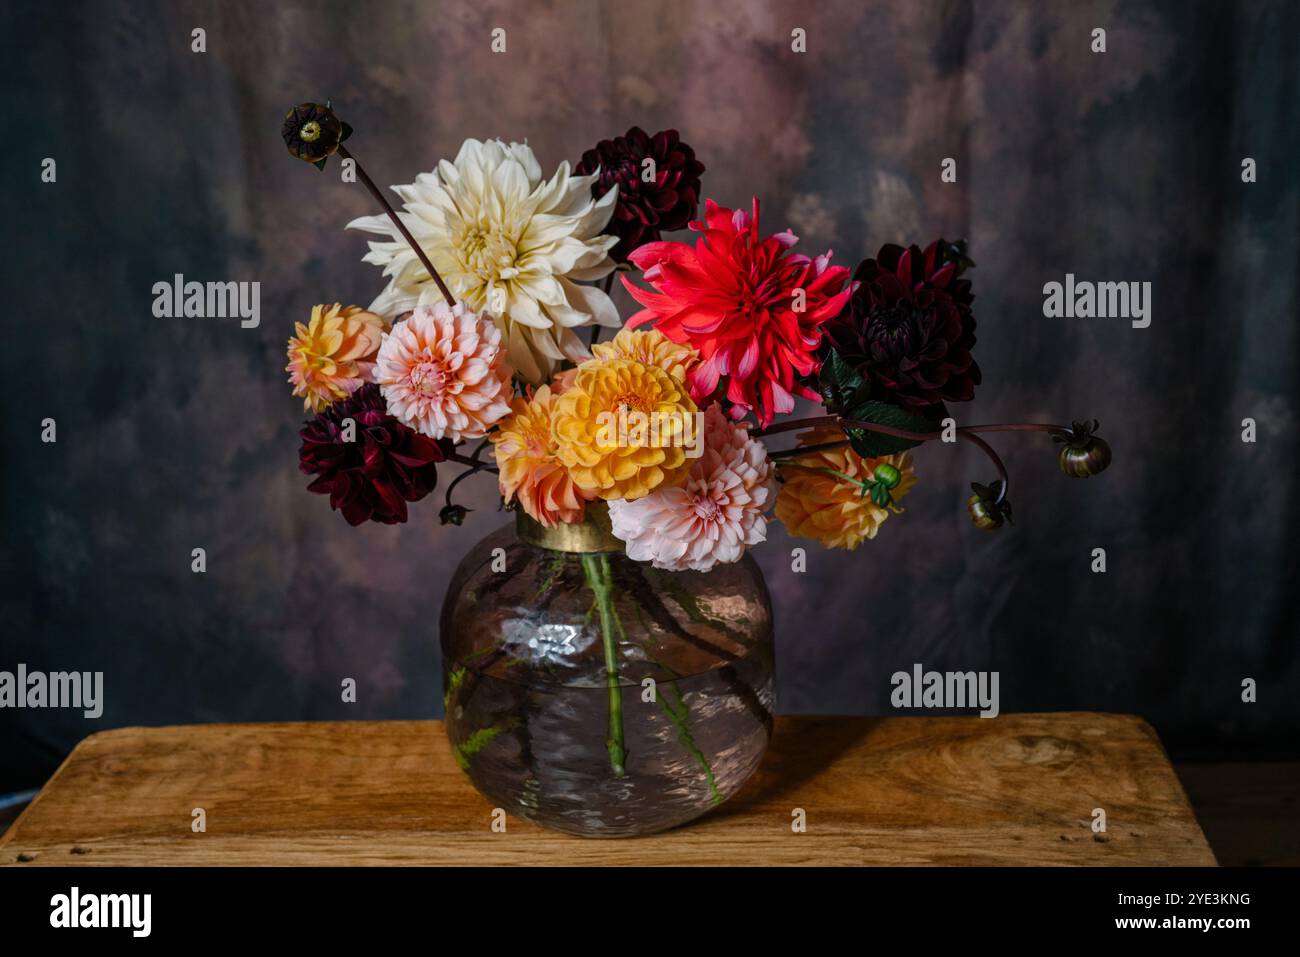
(487,336)
(492,271)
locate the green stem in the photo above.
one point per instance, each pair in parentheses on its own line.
(834,473)
(679,716)
(599,577)
(477,741)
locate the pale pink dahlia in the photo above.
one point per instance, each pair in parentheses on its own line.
(714,516)
(443,372)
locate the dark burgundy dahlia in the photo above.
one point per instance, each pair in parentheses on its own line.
(908,328)
(645,210)
(385,466)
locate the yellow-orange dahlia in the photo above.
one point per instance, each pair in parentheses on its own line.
(530,469)
(334,354)
(623,428)
(651,347)
(825,495)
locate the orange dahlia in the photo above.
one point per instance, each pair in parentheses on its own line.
(531,471)
(623,428)
(334,354)
(827,495)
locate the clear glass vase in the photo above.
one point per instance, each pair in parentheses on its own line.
(599,696)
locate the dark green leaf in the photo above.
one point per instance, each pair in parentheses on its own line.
(871,444)
(845,393)
(840,383)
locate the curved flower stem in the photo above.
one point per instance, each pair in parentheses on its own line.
(451,486)
(401,227)
(997,462)
(816,420)
(599,577)
(474,464)
(966,433)
(1016,427)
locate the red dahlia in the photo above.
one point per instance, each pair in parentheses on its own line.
(373,476)
(752,309)
(644,210)
(908,328)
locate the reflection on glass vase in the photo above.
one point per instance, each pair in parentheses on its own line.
(597,695)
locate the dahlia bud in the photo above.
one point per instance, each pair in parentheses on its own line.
(985,510)
(887,475)
(313,133)
(884,479)
(1082,453)
(453,514)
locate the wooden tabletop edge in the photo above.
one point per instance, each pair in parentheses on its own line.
(109,739)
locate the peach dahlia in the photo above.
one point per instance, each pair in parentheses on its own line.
(825,495)
(531,472)
(333,355)
(443,372)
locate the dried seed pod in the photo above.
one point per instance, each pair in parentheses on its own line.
(313,133)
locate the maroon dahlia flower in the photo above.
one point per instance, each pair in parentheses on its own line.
(908,328)
(644,209)
(373,476)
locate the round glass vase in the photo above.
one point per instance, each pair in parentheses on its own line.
(597,695)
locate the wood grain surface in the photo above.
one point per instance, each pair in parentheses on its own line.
(1017,789)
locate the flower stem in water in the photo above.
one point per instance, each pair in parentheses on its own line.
(596,568)
(679,715)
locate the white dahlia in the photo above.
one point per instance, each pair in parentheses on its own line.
(714,516)
(506,241)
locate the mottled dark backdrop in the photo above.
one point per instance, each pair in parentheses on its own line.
(1116,166)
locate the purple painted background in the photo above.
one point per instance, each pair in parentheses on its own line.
(1117,166)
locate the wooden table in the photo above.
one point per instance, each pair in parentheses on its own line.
(1017,789)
